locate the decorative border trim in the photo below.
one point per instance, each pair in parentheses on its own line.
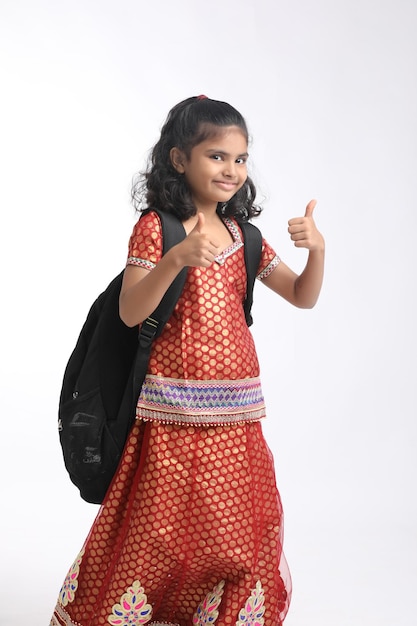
(237,243)
(144,263)
(61,618)
(200,402)
(269,268)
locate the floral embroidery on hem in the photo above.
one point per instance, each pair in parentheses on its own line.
(207,612)
(70,584)
(133,609)
(252,614)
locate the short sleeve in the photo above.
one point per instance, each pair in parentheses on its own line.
(269,260)
(145,243)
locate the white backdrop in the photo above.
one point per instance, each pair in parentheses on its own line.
(328,88)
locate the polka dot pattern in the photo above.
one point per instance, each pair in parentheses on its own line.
(190,506)
(145,241)
(193,507)
(207,336)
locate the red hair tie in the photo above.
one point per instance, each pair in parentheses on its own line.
(202,97)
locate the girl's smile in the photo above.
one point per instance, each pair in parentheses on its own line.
(225,185)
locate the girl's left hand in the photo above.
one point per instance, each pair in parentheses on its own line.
(304,232)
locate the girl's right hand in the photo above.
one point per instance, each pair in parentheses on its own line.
(142,290)
(198,249)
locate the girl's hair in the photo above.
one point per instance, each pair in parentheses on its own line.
(189,123)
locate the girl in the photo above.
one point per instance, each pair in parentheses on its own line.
(191,528)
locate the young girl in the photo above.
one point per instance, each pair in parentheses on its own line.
(191,528)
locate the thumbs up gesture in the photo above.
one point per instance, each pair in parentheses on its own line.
(198,249)
(303,230)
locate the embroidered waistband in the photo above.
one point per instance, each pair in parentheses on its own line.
(200,402)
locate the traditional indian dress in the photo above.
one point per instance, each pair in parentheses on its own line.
(190,532)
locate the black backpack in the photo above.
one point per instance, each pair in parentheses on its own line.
(107,367)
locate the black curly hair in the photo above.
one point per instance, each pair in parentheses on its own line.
(189,123)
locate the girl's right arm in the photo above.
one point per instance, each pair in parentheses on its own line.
(142,290)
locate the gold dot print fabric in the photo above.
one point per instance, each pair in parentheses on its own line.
(190,532)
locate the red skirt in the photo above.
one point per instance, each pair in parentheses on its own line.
(190,533)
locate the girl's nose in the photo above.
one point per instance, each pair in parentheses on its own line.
(230,169)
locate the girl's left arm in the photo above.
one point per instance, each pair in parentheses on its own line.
(301,290)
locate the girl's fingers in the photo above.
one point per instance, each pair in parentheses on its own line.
(310,208)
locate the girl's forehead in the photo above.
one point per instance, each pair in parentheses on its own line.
(224,134)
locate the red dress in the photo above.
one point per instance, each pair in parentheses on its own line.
(190,532)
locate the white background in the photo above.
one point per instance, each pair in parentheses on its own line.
(328,89)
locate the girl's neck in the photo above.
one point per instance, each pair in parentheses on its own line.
(212,219)
(210,212)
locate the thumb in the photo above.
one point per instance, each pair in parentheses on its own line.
(201,222)
(310,208)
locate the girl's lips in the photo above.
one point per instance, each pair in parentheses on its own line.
(225,185)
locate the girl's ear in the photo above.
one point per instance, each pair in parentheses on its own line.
(177,159)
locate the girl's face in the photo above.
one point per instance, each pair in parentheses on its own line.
(216,169)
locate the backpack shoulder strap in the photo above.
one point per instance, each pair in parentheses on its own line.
(172,233)
(253,249)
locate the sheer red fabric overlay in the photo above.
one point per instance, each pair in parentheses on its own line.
(167,523)
(191,529)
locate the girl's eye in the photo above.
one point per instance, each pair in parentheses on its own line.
(239,161)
